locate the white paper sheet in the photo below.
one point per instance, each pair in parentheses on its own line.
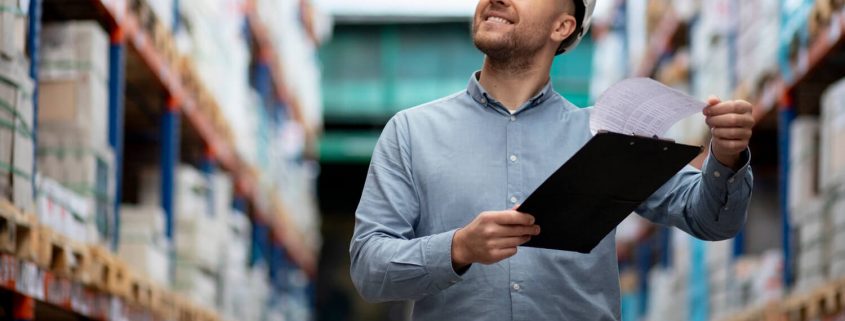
(641,106)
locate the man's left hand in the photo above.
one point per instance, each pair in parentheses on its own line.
(731,125)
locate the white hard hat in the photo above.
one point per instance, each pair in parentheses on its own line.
(584,15)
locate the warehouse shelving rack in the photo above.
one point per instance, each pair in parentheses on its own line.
(777,100)
(276,239)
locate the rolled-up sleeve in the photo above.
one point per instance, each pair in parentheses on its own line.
(389,261)
(710,204)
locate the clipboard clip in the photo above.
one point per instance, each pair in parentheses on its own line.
(655,137)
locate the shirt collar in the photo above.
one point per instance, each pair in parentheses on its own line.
(480,95)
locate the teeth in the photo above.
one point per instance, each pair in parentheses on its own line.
(499,20)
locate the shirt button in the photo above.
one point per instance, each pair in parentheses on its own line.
(731,180)
(513,118)
(513,199)
(514,158)
(717,174)
(515,286)
(453,282)
(483,101)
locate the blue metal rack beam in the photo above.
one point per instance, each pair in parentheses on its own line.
(117,85)
(33,46)
(209,167)
(785,119)
(644,257)
(260,243)
(666,247)
(170,126)
(177,19)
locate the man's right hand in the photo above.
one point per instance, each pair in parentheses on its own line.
(491,237)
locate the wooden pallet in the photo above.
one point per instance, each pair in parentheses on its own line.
(140,290)
(26,238)
(156,297)
(81,271)
(109,274)
(8,221)
(62,256)
(119,279)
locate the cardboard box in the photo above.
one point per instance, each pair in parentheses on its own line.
(16,138)
(813,260)
(804,160)
(13,19)
(75,104)
(147,259)
(195,283)
(833,136)
(143,224)
(837,269)
(199,241)
(69,49)
(7,134)
(191,188)
(63,210)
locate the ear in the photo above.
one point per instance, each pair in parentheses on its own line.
(563,26)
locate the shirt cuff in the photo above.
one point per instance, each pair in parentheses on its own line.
(438,260)
(725,183)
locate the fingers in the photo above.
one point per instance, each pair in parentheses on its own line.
(729,147)
(510,218)
(519,230)
(494,231)
(732,133)
(728,107)
(507,242)
(713,100)
(731,120)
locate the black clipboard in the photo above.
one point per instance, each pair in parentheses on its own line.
(606,180)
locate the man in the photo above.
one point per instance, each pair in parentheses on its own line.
(438,221)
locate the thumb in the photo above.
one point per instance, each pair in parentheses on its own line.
(713,100)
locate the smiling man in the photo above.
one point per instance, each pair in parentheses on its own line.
(438,222)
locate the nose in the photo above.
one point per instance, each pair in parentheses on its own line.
(501,2)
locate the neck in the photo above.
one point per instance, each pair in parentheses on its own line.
(514,82)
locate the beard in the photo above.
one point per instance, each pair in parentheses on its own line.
(514,49)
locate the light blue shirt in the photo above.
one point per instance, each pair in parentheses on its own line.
(438,165)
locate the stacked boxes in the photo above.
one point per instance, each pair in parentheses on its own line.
(143,244)
(813,229)
(234,297)
(13,14)
(794,37)
(757,47)
(710,48)
(16,136)
(63,210)
(803,162)
(833,171)
(837,251)
(200,230)
(73,146)
(719,271)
